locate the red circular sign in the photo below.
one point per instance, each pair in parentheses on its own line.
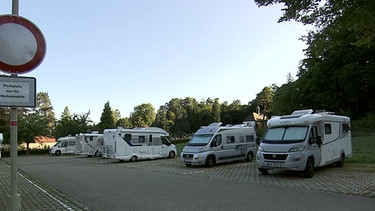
(22,45)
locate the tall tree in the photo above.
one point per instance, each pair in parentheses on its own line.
(338,71)
(107,118)
(143,115)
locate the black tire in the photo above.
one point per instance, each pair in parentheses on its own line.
(58,153)
(210,161)
(133,158)
(309,169)
(341,162)
(172,154)
(250,157)
(263,171)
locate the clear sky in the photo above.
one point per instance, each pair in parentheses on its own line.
(130,52)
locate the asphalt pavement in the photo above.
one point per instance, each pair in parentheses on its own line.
(35,195)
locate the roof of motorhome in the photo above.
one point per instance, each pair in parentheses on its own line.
(216,127)
(140,130)
(305,117)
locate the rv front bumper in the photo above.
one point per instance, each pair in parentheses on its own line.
(195,159)
(283,161)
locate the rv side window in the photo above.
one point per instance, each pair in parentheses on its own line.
(91,138)
(327,129)
(241,139)
(128,137)
(165,141)
(72,143)
(64,144)
(249,138)
(345,127)
(141,139)
(216,141)
(230,139)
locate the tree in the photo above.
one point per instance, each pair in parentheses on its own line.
(72,124)
(337,73)
(143,115)
(124,122)
(36,122)
(107,118)
(265,101)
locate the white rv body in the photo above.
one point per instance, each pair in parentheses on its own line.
(217,144)
(305,140)
(136,144)
(64,145)
(89,144)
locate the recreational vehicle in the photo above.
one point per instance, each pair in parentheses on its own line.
(214,144)
(64,145)
(139,143)
(89,144)
(305,140)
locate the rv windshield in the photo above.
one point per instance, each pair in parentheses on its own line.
(199,140)
(286,134)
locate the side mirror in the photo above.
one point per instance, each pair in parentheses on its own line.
(319,140)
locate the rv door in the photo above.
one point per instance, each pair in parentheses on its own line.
(315,141)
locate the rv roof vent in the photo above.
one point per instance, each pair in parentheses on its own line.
(302,112)
(215,124)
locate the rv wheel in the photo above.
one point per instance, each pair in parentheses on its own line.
(58,153)
(172,154)
(263,171)
(309,170)
(133,159)
(249,156)
(340,163)
(210,161)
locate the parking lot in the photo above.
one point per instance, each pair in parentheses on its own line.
(51,173)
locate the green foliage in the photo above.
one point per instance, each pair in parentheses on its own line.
(366,123)
(107,119)
(143,115)
(337,73)
(363,149)
(73,124)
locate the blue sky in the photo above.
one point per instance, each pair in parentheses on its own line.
(130,52)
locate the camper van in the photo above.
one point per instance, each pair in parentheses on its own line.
(89,144)
(64,145)
(136,144)
(304,140)
(214,144)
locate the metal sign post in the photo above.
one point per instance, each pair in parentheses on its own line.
(22,49)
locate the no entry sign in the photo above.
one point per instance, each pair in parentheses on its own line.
(22,45)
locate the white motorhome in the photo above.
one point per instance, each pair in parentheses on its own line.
(64,145)
(305,140)
(214,144)
(139,143)
(89,144)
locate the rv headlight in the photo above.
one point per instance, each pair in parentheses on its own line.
(296,149)
(202,149)
(260,149)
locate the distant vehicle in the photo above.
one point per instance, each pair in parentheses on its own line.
(64,145)
(89,144)
(214,144)
(305,140)
(136,144)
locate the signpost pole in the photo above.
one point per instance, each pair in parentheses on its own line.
(15,198)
